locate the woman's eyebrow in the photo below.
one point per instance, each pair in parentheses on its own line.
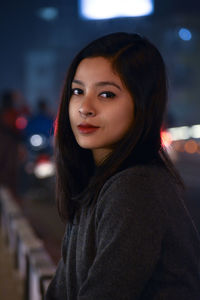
(101,83)
(78,82)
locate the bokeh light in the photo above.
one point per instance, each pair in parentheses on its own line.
(36,140)
(195,131)
(44,169)
(48,13)
(21,123)
(166,138)
(185,34)
(191,147)
(103,9)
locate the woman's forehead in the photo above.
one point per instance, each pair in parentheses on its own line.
(96,68)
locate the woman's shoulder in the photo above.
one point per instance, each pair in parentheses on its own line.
(143,187)
(152,175)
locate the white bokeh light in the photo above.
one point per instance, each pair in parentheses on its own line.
(106,9)
(180,133)
(44,169)
(36,140)
(195,131)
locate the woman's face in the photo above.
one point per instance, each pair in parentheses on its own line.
(101,110)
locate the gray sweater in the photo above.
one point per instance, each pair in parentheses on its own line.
(139,242)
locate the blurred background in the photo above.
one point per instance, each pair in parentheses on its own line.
(38,41)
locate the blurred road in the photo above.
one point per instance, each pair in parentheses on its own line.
(11,285)
(43,216)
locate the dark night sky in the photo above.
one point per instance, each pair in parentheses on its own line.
(21,30)
(20,27)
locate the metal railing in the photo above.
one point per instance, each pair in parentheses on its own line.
(32,262)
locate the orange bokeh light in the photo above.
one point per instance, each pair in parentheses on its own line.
(166,138)
(191,147)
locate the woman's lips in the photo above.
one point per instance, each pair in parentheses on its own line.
(87,128)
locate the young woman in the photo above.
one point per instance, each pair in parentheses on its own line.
(128,235)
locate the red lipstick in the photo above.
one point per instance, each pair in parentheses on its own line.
(87,128)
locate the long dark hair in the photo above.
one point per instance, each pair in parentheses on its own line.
(141,68)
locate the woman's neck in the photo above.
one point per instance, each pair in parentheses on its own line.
(100,155)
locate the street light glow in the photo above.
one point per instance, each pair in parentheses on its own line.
(107,9)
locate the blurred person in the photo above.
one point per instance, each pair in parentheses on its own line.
(21,104)
(8,112)
(128,232)
(41,122)
(38,140)
(11,139)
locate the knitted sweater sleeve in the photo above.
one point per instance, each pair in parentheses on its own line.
(130,226)
(57,288)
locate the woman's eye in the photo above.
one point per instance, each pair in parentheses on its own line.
(76,91)
(107,95)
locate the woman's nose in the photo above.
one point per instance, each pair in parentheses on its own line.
(86,109)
